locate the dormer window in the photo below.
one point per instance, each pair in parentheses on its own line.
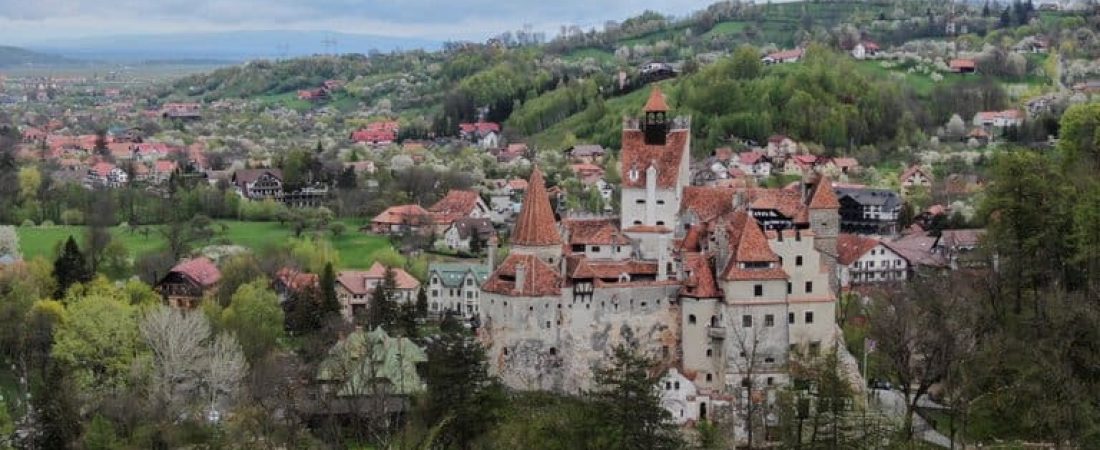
(633,174)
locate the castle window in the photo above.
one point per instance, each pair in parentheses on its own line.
(676,385)
(668,386)
(710,377)
(809,287)
(660,223)
(595,248)
(637,222)
(769,320)
(547,324)
(758,290)
(798,260)
(746,321)
(710,353)
(815,348)
(771,381)
(505,351)
(790,287)
(640,201)
(769,360)
(553,351)
(660,202)
(790,317)
(691,319)
(809,316)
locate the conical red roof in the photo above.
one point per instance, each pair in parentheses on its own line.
(656,102)
(535,225)
(824,197)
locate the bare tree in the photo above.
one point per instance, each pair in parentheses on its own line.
(224,366)
(923,331)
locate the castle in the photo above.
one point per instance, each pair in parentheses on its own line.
(724,286)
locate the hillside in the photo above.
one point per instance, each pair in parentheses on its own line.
(15,56)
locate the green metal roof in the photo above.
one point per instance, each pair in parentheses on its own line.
(452,274)
(366,362)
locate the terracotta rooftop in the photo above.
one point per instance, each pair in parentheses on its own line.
(456,205)
(295,279)
(603,269)
(540,280)
(824,197)
(403,215)
(751,245)
(535,225)
(593,232)
(637,156)
(656,102)
(850,247)
(360,282)
(707,203)
(699,282)
(200,270)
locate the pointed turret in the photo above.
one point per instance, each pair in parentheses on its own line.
(656,102)
(823,196)
(535,226)
(656,118)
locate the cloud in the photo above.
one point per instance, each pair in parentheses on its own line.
(23,20)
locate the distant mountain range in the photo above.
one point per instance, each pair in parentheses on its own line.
(226,46)
(15,56)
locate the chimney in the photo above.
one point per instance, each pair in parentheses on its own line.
(521,276)
(662,258)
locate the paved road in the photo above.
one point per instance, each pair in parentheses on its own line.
(892,403)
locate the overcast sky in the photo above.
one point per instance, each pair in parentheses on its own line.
(29,21)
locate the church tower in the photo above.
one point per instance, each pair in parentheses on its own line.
(656,118)
(536,232)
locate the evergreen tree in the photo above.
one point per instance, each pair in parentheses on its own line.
(477,244)
(422,303)
(460,390)
(56,414)
(330,305)
(300,311)
(406,320)
(634,418)
(382,310)
(70,268)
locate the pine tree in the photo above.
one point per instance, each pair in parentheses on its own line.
(422,303)
(634,417)
(330,305)
(56,415)
(382,311)
(300,311)
(70,268)
(460,389)
(406,321)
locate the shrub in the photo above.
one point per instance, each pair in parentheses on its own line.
(72,217)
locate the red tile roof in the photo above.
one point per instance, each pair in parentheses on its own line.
(604,269)
(751,245)
(656,102)
(593,232)
(850,247)
(295,279)
(535,225)
(403,214)
(786,54)
(700,277)
(707,203)
(540,280)
(638,156)
(824,197)
(960,64)
(456,205)
(201,271)
(479,127)
(913,170)
(359,282)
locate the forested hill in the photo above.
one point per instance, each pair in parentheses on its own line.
(569,88)
(15,56)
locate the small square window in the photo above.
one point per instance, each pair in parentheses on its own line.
(798,260)
(809,317)
(746,321)
(769,320)
(758,290)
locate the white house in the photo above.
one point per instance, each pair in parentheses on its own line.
(455,287)
(864,260)
(682,399)
(754,163)
(999,119)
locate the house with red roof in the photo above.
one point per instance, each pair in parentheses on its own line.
(106,175)
(754,163)
(999,119)
(865,260)
(784,56)
(485,134)
(183,111)
(961,65)
(914,177)
(355,287)
(780,146)
(457,204)
(864,49)
(402,219)
(186,284)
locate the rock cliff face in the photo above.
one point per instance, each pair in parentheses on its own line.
(553,343)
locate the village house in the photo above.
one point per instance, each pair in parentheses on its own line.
(864,49)
(189,282)
(354,289)
(683,400)
(259,184)
(586,153)
(182,111)
(402,219)
(105,175)
(842,166)
(377,133)
(784,56)
(754,163)
(864,260)
(957,247)
(780,146)
(290,281)
(462,233)
(369,365)
(456,288)
(485,134)
(959,65)
(915,177)
(999,119)
(868,210)
(458,204)
(588,174)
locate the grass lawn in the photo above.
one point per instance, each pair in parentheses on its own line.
(725,29)
(357,250)
(597,54)
(287,99)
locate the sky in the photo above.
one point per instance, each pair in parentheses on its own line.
(35,21)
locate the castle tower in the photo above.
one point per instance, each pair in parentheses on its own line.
(656,118)
(536,232)
(825,223)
